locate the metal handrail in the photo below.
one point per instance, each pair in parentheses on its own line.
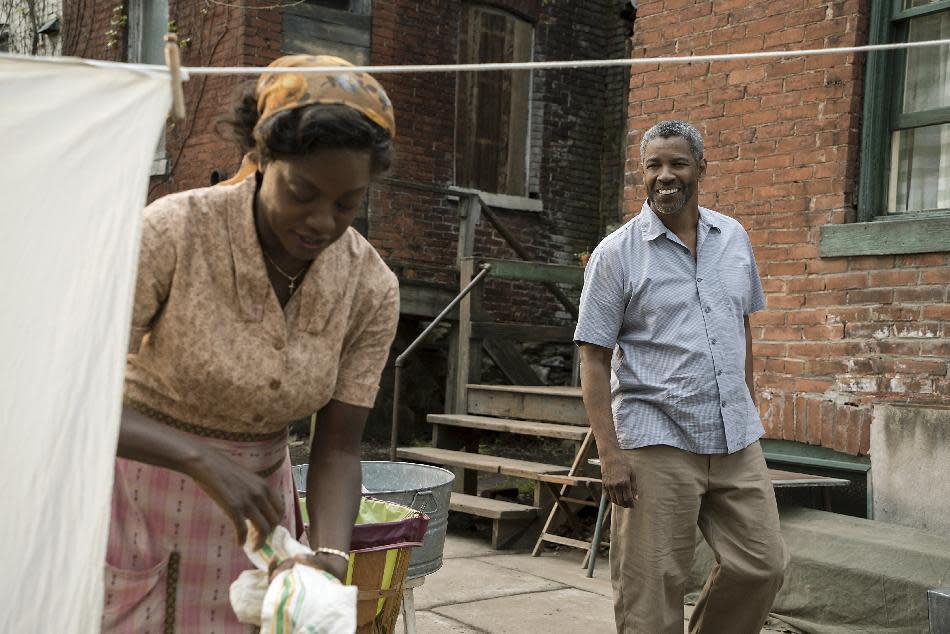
(401,359)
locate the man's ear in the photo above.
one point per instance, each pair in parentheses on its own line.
(702,168)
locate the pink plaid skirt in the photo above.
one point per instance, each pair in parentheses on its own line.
(173,553)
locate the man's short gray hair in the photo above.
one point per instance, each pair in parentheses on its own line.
(672,128)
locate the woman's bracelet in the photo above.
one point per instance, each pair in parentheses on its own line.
(332,551)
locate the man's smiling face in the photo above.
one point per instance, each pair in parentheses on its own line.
(671,175)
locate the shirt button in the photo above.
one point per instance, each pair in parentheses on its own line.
(723,403)
(708,309)
(718,372)
(699,279)
(275,384)
(712,341)
(279,344)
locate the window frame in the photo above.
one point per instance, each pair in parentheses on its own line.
(877,232)
(463,145)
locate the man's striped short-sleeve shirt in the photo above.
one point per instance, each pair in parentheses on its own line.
(676,327)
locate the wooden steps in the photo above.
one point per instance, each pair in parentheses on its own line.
(535,411)
(511,426)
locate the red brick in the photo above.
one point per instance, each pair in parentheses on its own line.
(895,313)
(786,268)
(920,294)
(893,278)
(936,312)
(825,298)
(935,276)
(871,296)
(845,281)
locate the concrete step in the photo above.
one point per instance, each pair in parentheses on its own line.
(851,574)
(508,425)
(480,462)
(492,509)
(550,404)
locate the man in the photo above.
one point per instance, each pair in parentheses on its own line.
(666,369)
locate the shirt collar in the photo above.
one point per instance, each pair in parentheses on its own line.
(652,227)
(320,290)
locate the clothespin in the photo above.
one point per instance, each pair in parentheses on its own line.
(173,61)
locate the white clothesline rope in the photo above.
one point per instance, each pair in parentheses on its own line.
(452,68)
(593,63)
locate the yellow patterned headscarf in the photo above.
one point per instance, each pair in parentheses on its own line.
(286,91)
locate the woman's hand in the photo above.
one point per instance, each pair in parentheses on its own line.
(242,494)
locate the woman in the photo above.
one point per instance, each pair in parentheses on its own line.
(256,304)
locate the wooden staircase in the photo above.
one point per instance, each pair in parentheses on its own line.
(534,411)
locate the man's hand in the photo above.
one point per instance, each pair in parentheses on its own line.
(620,480)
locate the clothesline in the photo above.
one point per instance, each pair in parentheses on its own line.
(551,65)
(503,66)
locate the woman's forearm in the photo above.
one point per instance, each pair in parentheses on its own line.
(334,481)
(333,499)
(143,440)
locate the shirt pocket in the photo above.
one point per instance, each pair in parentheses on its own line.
(736,286)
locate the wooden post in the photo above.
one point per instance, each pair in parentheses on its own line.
(466,270)
(470,213)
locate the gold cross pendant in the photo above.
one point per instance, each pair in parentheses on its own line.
(291,287)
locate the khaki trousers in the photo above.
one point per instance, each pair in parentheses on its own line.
(730,498)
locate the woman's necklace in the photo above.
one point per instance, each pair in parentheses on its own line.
(290,278)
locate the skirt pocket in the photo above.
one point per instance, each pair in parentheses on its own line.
(139,600)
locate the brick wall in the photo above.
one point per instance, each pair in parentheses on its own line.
(782,142)
(210,35)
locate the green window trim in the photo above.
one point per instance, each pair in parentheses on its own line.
(926,232)
(875,232)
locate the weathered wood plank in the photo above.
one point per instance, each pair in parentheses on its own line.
(292,44)
(535,271)
(509,360)
(567,541)
(480,462)
(565,391)
(543,404)
(782,479)
(326,15)
(522,332)
(507,425)
(315,29)
(502,201)
(492,509)
(918,235)
(423,300)
(464,328)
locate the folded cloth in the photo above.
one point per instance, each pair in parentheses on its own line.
(299,599)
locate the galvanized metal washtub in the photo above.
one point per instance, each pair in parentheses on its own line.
(422,487)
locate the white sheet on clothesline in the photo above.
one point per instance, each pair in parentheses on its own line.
(76,143)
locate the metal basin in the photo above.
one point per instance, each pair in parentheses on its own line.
(422,487)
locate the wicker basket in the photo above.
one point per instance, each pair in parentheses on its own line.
(379,560)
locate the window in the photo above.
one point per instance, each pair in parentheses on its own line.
(905,138)
(148,23)
(493,107)
(328,27)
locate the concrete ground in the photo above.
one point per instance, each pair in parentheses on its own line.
(482,590)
